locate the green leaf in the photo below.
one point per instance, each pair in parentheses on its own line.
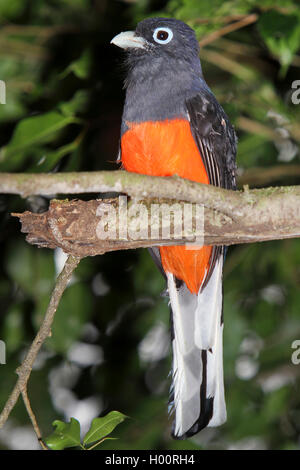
(80,67)
(100,442)
(65,435)
(48,159)
(281,34)
(101,427)
(29,132)
(76,104)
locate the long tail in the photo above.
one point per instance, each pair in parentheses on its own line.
(197,392)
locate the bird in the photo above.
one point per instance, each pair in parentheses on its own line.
(172,124)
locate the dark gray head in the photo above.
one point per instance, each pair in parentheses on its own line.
(160,38)
(163,65)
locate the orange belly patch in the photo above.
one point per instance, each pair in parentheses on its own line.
(165,148)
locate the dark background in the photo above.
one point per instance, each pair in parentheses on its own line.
(109,348)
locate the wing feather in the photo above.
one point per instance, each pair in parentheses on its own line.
(216,140)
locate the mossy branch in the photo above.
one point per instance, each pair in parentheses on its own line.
(231,217)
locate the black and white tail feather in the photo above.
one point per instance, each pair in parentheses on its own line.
(197,392)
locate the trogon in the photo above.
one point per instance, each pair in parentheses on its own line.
(173,124)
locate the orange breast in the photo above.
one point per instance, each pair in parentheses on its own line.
(165,148)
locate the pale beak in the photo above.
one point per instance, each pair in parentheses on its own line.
(128,39)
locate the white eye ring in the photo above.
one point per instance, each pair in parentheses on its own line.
(164,30)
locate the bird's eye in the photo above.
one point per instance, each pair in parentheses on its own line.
(163,35)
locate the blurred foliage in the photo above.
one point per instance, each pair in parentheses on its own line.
(109,345)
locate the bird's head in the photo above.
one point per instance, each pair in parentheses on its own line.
(163,68)
(163,38)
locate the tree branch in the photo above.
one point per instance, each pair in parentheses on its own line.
(33,418)
(49,184)
(231,217)
(88,228)
(25,368)
(240,23)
